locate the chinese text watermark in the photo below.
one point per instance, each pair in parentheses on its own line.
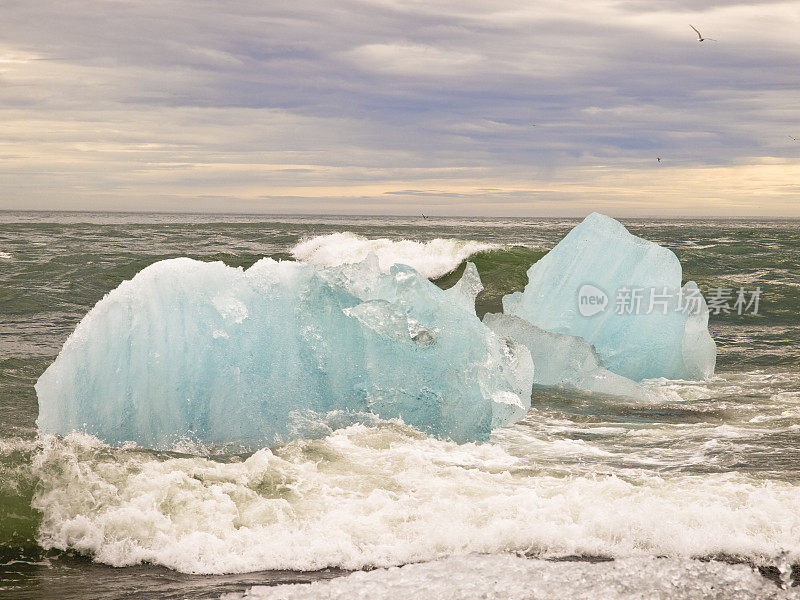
(688,300)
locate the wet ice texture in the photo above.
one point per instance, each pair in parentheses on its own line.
(563,360)
(658,342)
(204,351)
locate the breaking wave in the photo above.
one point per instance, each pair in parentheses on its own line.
(432,259)
(386,495)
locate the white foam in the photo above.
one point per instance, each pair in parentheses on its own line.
(431,259)
(501,577)
(386,495)
(5,256)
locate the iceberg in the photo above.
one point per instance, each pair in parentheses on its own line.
(623,295)
(189,350)
(563,360)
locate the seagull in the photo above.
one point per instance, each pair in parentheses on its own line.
(423,216)
(700,36)
(658,158)
(794,138)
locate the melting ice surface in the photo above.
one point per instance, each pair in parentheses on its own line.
(649,338)
(203,351)
(563,360)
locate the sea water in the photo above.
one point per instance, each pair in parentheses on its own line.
(702,470)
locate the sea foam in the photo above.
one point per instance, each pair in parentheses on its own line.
(431,259)
(387,495)
(505,576)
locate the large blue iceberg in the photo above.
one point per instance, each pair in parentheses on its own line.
(623,295)
(219,355)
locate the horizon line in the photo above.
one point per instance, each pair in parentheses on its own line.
(391,215)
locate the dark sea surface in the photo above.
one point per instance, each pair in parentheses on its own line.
(711,469)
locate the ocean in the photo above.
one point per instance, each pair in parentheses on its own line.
(693,494)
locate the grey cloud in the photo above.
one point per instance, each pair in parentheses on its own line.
(388,88)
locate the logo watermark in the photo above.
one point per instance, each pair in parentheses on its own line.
(593,300)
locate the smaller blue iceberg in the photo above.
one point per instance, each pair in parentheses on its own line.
(218,355)
(623,295)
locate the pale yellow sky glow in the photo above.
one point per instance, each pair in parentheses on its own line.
(402,108)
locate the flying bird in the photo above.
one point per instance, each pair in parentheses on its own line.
(794,138)
(423,216)
(658,158)
(700,37)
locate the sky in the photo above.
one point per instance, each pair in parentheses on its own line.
(459,107)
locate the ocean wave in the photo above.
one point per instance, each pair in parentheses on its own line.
(385,495)
(5,256)
(432,259)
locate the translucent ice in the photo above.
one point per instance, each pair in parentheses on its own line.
(563,360)
(623,295)
(203,351)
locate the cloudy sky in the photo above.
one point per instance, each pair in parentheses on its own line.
(398,106)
